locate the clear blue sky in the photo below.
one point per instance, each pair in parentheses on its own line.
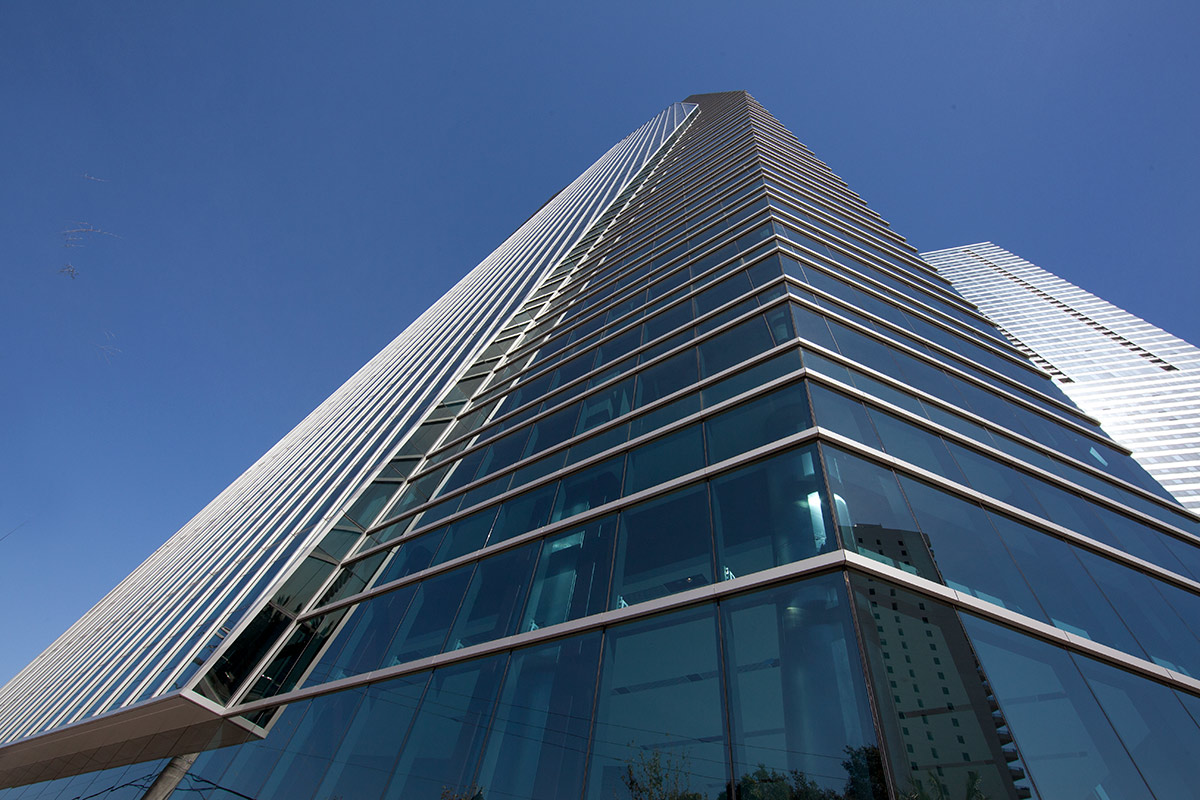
(292,183)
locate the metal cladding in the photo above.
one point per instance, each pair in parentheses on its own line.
(139,639)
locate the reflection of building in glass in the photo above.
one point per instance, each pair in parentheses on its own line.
(730,496)
(1142,383)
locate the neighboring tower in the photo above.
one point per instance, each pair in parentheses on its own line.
(731,496)
(1142,383)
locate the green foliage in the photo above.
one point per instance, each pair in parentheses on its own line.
(658,776)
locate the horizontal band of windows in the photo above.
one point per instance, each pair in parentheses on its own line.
(615,320)
(907,283)
(754,255)
(941,481)
(759,362)
(1082,540)
(741,207)
(726,215)
(844,286)
(663,544)
(826,563)
(1104,548)
(978,375)
(1007,479)
(551,410)
(1035,460)
(449,441)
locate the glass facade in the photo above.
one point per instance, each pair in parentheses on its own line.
(742,501)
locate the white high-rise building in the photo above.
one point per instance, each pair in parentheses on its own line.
(1142,383)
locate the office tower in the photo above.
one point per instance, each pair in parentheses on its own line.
(1140,382)
(739,499)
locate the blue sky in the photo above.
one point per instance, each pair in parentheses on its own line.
(287,186)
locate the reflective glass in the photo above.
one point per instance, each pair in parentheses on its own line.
(664,546)
(551,430)
(915,445)
(934,703)
(442,750)
(414,555)
(664,415)
(1155,625)
(760,421)
(1068,744)
(592,487)
(733,346)
(1063,587)
(968,552)
(770,513)
(524,513)
(538,738)
(1158,733)
(424,627)
(872,514)
(606,405)
(303,763)
(664,458)
(798,701)
(494,599)
(751,377)
(660,709)
(465,535)
(366,636)
(665,377)
(572,575)
(841,414)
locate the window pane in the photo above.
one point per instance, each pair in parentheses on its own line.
(524,513)
(1070,748)
(413,556)
(872,514)
(770,513)
(665,458)
(424,627)
(494,598)
(841,414)
(760,421)
(538,740)
(465,535)
(1152,724)
(366,636)
(798,701)
(967,550)
(1063,587)
(914,445)
(606,405)
(666,377)
(734,346)
(659,707)
(442,751)
(664,547)
(363,761)
(303,763)
(594,486)
(935,710)
(572,575)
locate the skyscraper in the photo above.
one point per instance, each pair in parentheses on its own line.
(1142,383)
(730,496)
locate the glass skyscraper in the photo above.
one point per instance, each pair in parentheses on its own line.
(704,485)
(1142,383)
